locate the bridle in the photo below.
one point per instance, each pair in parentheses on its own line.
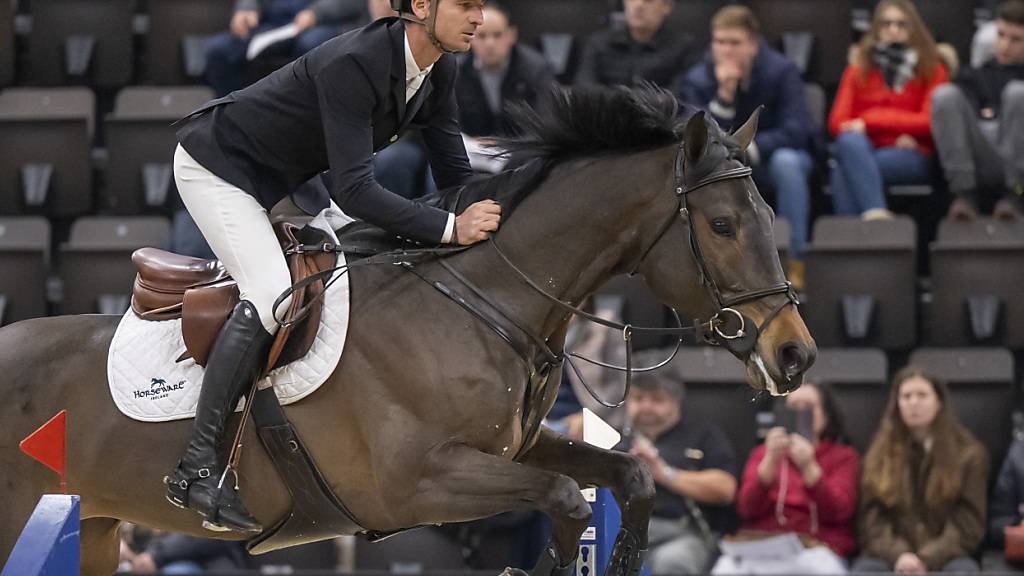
(728,327)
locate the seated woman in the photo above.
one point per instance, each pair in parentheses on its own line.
(882,112)
(802,485)
(923,492)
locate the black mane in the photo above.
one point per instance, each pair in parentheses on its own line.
(590,120)
(581,121)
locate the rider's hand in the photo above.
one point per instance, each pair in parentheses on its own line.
(477,222)
(243,21)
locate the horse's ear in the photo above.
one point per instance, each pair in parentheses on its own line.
(744,135)
(695,135)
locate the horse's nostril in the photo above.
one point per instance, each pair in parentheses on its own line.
(792,359)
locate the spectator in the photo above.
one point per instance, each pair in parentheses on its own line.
(316,20)
(803,485)
(179,554)
(979,124)
(881,116)
(644,49)
(498,71)
(694,468)
(923,487)
(1006,507)
(740,73)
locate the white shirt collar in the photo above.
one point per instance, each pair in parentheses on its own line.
(412,69)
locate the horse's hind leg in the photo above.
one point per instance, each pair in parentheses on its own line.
(628,479)
(100,545)
(461,483)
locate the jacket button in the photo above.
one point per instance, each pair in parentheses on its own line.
(394,138)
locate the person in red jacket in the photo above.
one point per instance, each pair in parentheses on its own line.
(806,486)
(881,118)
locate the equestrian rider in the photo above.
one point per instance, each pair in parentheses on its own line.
(239,155)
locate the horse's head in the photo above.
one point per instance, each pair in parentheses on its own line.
(721,242)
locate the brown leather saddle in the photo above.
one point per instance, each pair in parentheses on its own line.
(202,294)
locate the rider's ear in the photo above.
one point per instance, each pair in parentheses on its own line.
(421,8)
(696,137)
(744,135)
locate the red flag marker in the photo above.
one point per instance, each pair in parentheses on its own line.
(47,445)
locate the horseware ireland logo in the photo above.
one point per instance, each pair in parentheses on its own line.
(159,388)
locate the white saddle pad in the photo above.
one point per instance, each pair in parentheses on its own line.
(148,385)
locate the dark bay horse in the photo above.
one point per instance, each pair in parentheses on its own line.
(422,419)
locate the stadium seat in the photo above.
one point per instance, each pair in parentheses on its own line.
(859,381)
(950,21)
(49,170)
(82,41)
(981,381)
(977,272)
(176,43)
(24,256)
(717,392)
(96,266)
(826,21)
(7,44)
(861,282)
(141,142)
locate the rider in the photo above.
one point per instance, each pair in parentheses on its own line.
(239,155)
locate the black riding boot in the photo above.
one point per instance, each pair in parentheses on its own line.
(238,355)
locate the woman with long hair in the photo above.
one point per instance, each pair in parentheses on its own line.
(801,484)
(923,492)
(881,118)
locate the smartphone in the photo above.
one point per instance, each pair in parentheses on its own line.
(797,421)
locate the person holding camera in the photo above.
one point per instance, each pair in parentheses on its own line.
(693,466)
(801,480)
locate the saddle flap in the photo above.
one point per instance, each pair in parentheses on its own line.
(206,310)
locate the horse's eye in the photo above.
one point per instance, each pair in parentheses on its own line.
(721,226)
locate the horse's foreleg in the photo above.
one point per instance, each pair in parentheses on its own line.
(629,480)
(461,483)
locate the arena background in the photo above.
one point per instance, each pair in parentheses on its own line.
(99,106)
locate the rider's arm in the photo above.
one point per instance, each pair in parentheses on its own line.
(445,147)
(347,102)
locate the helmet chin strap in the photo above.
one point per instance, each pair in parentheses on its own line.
(431,25)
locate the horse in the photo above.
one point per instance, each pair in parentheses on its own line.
(422,421)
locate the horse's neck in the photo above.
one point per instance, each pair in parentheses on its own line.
(569,236)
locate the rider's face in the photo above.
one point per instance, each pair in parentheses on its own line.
(457,21)
(1010,45)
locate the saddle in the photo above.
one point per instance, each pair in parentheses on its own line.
(202,294)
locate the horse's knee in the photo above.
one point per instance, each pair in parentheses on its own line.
(564,499)
(636,482)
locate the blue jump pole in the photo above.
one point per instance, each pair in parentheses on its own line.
(49,543)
